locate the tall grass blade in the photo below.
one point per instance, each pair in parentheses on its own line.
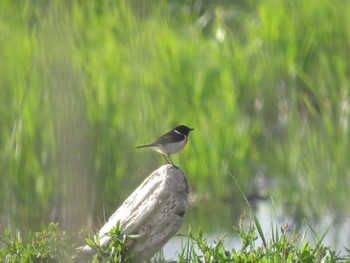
(256,221)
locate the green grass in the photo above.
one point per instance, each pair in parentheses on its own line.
(84,82)
(53,245)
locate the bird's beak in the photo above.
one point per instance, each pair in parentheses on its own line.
(191,129)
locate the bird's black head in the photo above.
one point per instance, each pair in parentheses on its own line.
(183,129)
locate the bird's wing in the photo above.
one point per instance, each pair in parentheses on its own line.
(170,137)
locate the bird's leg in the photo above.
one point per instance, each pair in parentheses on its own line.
(165,159)
(168,160)
(171,160)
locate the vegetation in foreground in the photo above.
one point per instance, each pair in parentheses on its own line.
(53,245)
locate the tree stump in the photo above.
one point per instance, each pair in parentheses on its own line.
(152,214)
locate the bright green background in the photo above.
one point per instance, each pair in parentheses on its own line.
(264,83)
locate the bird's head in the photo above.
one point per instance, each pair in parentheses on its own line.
(183,129)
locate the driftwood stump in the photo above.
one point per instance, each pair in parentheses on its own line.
(153,213)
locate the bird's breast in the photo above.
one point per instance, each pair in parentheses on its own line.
(171,148)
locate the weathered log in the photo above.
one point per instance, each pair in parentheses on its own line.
(152,214)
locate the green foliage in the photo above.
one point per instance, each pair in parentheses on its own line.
(280,247)
(264,83)
(53,245)
(49,245)
(117,249)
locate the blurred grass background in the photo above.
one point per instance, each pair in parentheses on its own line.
(264,83)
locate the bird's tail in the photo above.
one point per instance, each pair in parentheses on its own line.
(144,146)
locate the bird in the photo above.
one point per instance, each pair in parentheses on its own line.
(171,142)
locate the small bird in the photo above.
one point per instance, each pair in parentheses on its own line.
(170,142)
